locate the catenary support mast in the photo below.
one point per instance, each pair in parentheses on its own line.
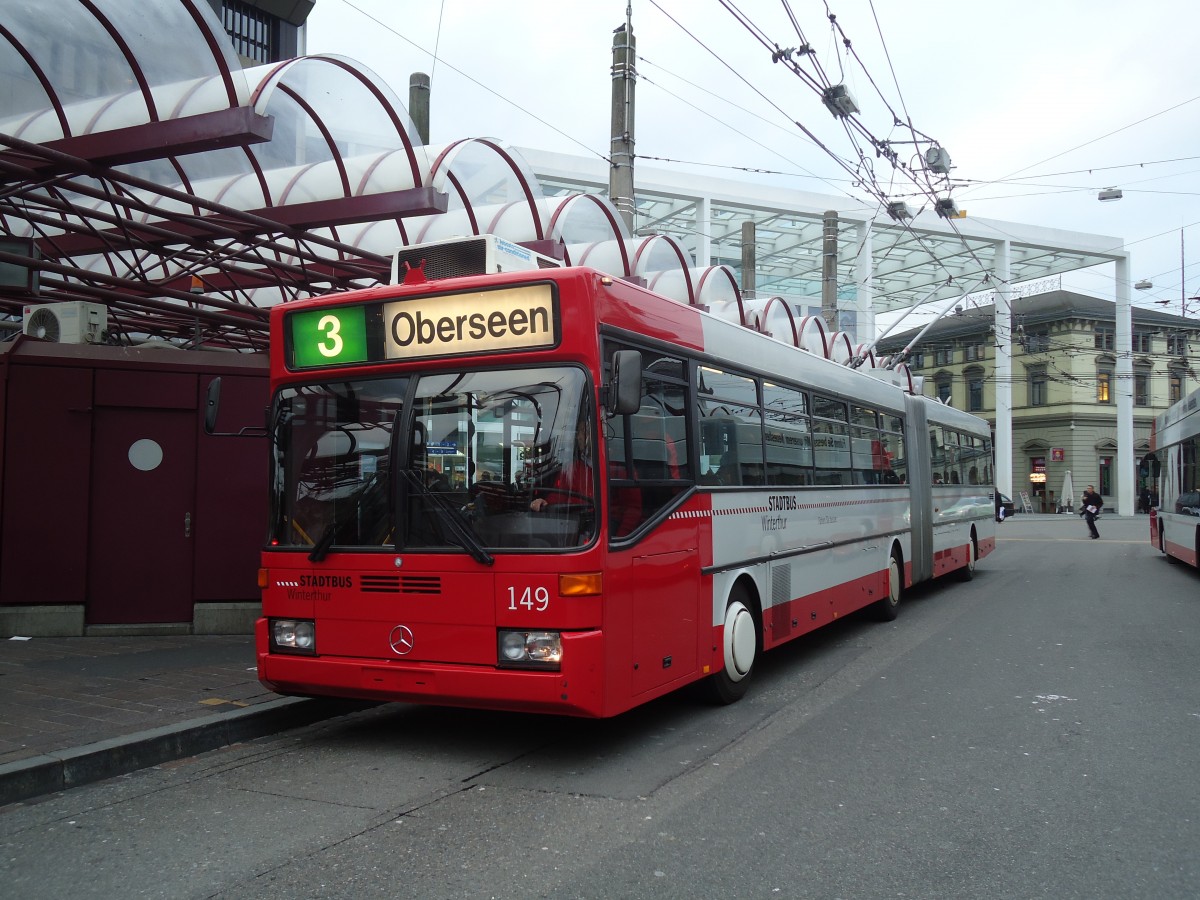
(624,75)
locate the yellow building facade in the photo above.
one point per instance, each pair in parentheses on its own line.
(1064,390)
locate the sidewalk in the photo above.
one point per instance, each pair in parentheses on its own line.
(80,709)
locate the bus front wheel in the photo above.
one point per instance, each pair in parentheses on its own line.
(740,646)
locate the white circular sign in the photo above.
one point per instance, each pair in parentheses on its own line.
(145,455)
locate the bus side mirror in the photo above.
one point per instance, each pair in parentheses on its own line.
(625,390)
(211,407)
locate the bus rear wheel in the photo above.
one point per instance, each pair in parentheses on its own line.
(888,608)
(1162,544)
(967,572)
(740,644)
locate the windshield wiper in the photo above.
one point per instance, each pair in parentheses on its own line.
(451,517)
(322,546)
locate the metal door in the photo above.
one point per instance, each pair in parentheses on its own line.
(142,506)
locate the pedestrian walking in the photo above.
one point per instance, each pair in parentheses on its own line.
(1091,509)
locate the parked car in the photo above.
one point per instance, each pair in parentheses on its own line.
(1007,504)
(1188,503)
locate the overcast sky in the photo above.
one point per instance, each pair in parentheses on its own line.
(1039,104)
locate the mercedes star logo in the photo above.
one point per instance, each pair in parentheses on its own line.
(401,640)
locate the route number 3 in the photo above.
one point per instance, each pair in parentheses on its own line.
(535,599)
(333,343)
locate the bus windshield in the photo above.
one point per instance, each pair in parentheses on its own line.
(451,462)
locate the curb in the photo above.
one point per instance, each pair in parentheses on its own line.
(77,766)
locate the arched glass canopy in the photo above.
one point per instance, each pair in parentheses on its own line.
(73,69)
(188,195)
(193,194)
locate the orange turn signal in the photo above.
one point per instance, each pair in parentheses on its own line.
(580,584)
(264,578)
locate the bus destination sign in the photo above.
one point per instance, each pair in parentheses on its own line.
(516,318)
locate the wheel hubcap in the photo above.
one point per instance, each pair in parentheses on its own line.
(739,641)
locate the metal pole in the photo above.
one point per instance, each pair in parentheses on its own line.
(829,271)
(749,258)
(418,104)
(624,74)
(1002,325)
(1125,463)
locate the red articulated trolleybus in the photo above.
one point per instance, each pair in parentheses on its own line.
(1174,468)
(556,491)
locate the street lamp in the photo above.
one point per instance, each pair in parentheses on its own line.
(1143,285)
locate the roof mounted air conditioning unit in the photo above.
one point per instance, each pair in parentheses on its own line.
(480,254)
(72,322)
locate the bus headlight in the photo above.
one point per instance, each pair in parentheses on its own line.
(294,636)
(530,649)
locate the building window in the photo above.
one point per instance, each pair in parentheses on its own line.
(254,32)
(1141,389)
(972,352)
(974,377)
(943,357)
(1104,482)
(1104,386)
(1141,342)
(1037,385)
(1174,387)
(1106,338)
(943,383)
(1177,344)
(1037,341)
(916,361)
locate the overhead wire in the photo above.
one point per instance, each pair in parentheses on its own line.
(477,82)
(1088,143)
(728,125)
(861,173)
(820,144)
(928,188)
(820,83)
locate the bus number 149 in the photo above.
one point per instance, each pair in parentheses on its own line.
(535,599)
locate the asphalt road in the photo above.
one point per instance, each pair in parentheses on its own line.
(1030,734)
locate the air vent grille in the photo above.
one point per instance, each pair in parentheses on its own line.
(380,584)
(401,584)
(421,584)
(446,261)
